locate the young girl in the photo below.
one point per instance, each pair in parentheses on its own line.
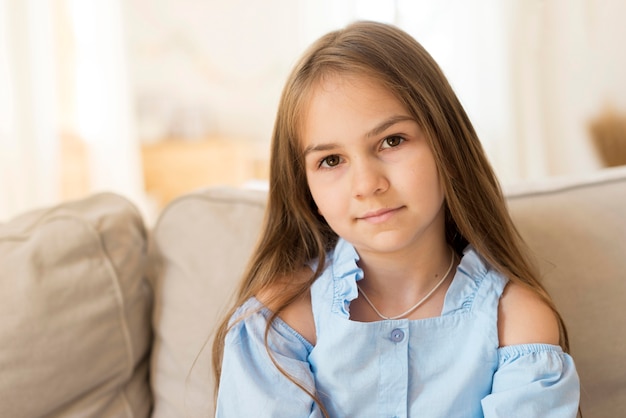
(389,280)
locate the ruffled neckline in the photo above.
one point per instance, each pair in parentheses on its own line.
(346,273)
(459,296)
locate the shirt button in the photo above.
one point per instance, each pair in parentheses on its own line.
(397,335)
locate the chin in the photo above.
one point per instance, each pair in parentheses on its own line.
(384,243)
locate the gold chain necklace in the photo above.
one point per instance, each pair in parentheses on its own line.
(418,304)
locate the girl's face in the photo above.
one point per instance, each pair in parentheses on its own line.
(370,168)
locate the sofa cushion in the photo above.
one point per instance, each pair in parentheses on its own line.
(201,243)
(75,311)
(576,227)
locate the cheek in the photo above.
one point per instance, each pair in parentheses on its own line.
(423,180)
(324,197)
(319,199)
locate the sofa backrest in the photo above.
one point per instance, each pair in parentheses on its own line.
(576,229)
(200,246)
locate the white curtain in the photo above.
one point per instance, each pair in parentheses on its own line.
(101,111)
(104,114)
(554,96)
(28,134)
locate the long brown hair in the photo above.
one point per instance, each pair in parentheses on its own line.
(293,232)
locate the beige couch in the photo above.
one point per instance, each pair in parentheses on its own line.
(91,326)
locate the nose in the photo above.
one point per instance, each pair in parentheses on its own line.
(368,177)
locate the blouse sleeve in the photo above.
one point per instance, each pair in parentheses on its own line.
(250,383)
(533,380)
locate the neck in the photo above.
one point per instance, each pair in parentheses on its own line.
(393,274)
(413,290)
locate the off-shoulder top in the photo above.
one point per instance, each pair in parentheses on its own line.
(447,366)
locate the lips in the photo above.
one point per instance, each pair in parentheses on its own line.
(379,216)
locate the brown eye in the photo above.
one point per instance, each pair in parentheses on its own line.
(392,141)
(330,161)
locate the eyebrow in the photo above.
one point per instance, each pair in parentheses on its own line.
(386,124)
(377,130)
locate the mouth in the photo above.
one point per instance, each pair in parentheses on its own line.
(379,216)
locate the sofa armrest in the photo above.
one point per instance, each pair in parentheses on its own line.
(75,309)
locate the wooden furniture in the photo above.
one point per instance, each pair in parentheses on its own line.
(173,167)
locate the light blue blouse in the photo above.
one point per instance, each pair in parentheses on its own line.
(448,366)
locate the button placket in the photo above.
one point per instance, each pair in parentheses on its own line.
(394,372)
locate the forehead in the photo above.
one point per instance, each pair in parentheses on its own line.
(338,105)
(354,87)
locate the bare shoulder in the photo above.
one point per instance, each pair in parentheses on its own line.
(525,318)
(298,314)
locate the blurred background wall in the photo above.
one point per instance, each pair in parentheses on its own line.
(151,99)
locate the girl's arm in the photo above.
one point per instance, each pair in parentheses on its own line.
(535,378)
(250,384)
